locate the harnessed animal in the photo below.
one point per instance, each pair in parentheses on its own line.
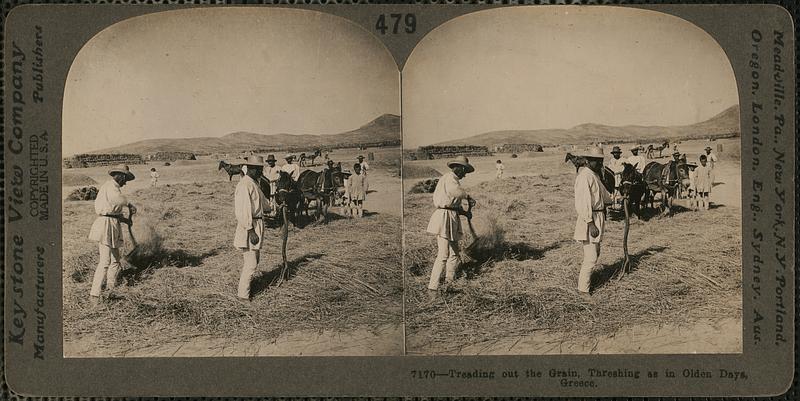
(665,179)
(318,186)
(287,200)
(287,196)
(231,169)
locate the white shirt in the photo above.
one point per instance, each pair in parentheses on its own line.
(448,194)
(110,199)
(249,205)
(711,158)
(591,198)
(272,173)
(637,161)
(364,167)
(616,165)
(292,169)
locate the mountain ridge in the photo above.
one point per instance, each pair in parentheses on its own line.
(724,123)
(382,129)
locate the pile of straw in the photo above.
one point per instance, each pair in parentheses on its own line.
(83,194)
(425,186)
(150,245)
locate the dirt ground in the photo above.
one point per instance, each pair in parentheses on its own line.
(683,296)
(344,295)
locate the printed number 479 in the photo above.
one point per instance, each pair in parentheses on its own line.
(409,23)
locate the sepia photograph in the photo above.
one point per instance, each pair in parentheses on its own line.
(571,182)
(231,187)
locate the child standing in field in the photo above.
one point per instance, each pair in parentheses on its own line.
(499,166)
(357,190)
(692,192)
(153,177)
(345,205)
(702,183)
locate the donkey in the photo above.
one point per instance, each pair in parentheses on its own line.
(231,169)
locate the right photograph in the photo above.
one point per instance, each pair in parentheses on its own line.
(572,185)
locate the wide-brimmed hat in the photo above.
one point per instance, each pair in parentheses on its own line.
(360,157)
(461,161)
(271,158)
(123,169)
(616,149)
(708,148)
(289,156)
(592,152)
(254,160)
(347,172)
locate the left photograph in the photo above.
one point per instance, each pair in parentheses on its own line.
(231,187)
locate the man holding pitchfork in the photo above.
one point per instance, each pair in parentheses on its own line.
(591,198)
(445,222)
(250,204)
(106,229)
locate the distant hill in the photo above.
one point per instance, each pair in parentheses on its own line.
(723,124)
(385,128)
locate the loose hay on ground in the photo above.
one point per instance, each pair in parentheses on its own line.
(686,267)
(339,279)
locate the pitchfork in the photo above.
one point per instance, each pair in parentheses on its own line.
(131,212)
(626,261)
(470,204)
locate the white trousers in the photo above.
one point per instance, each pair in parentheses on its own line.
(357,208)
(251,258)
(591,251)
(447,257)
(107,269)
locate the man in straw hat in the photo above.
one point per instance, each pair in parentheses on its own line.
(712,160)
(637,160)
(591,198)
(106,229)
(291,168)
(445,222)
(364,165)
(249,206)
(364,170)
(272,172)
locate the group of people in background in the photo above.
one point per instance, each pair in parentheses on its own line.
(701,175)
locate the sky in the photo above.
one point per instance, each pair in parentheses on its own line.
(558,67)
(204,72)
